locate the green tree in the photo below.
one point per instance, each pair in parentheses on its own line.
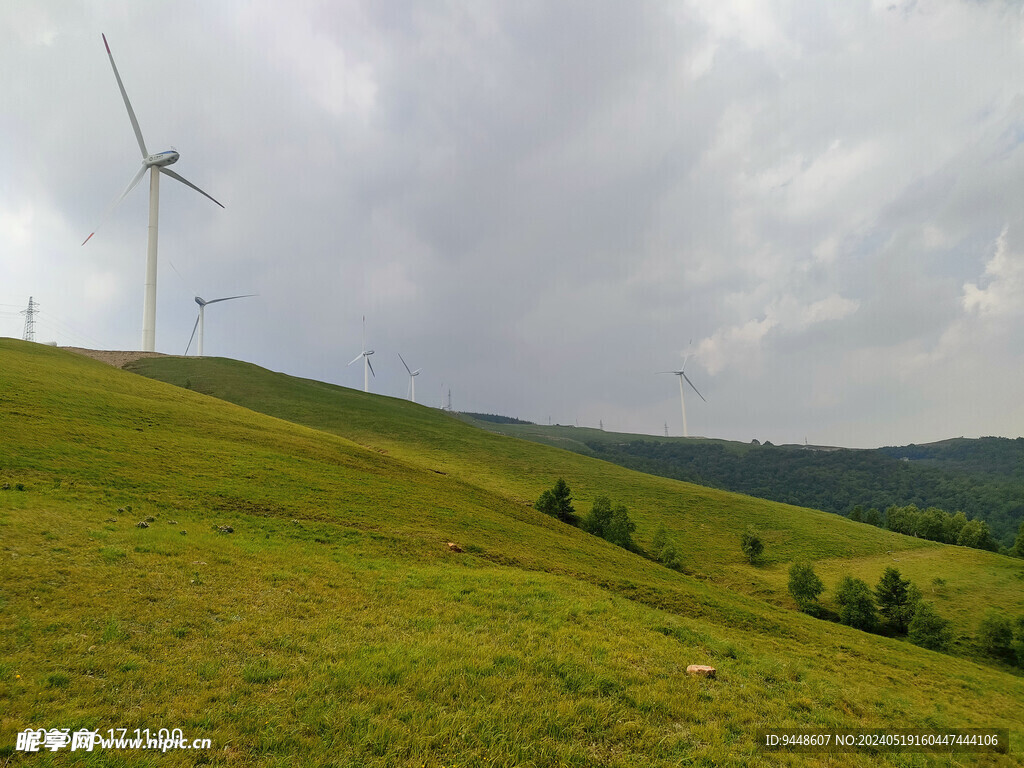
(856,604)
(857,514)
(873,517)
(995,636)
(1018,545)
(752,545)
(659,541)
(620,528)
(558,503)
(895,602)
(670,558)
(600,515)
(954,525)
(928,629)
(975,533)
(805,587)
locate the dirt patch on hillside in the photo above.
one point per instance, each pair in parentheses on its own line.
(118,359)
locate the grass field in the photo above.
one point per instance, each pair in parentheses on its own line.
(335,627)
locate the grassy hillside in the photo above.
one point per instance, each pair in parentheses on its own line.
(983,477)
(705,524)
(335,627)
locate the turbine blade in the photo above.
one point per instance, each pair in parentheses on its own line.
(405,364)
(691,385)
(113,203)
(229,298)
(194,327)
(187,183)
(357,357)
(371,366)
(124,95)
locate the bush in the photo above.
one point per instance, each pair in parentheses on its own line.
(928,629)
(995,636)
(659,541)
(558,503)
(805,587)
(670,558)
(856,604)
(752,545)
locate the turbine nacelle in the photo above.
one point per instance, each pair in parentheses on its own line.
(160,159)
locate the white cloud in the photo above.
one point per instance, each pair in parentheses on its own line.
(1002,293)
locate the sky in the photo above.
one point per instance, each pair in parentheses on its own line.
(543,205)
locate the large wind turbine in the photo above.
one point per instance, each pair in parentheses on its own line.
(365,354)
(200,322)
(682,400)
(156,164)
(412,378)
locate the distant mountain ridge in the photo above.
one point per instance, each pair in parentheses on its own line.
(982,477)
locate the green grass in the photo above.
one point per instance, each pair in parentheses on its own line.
(334,626)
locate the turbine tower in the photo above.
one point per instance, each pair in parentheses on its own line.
(682,399)
(200,322)
(412,378)
(156,164)
(365,354)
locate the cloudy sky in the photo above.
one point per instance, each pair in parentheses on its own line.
(543,204)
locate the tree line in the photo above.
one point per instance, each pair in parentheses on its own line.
(983,479)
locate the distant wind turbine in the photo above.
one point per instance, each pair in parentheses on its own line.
(412,378)
(200,322)
(156,164)
(682,400)
(365,354)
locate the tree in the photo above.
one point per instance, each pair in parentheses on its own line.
(620,528)
(752,545)
(600,515)
(670,558)
(954,525)
(995,636)
(805,587)
(873,517)
(975,533)
(857,514)
(558,503)
(895,601)
(856,604)
(1018,545)
(659,541)
(928,629)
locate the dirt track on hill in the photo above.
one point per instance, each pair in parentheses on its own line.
(115,358)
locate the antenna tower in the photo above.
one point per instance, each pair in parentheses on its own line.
(601,424)
(30,320)
(666,429)
(449,399)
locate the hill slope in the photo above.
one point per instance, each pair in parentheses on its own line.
(333,626)
(984,478)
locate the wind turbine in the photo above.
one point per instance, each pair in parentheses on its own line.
(156,164)
(365,354)
(199,320)
(412,378)
(682,400)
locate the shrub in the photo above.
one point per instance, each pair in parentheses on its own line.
(659,541)
(670,558)
(995,636)
(557,502)
(856,604)
(752,545)
(805,587)
(928,629)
